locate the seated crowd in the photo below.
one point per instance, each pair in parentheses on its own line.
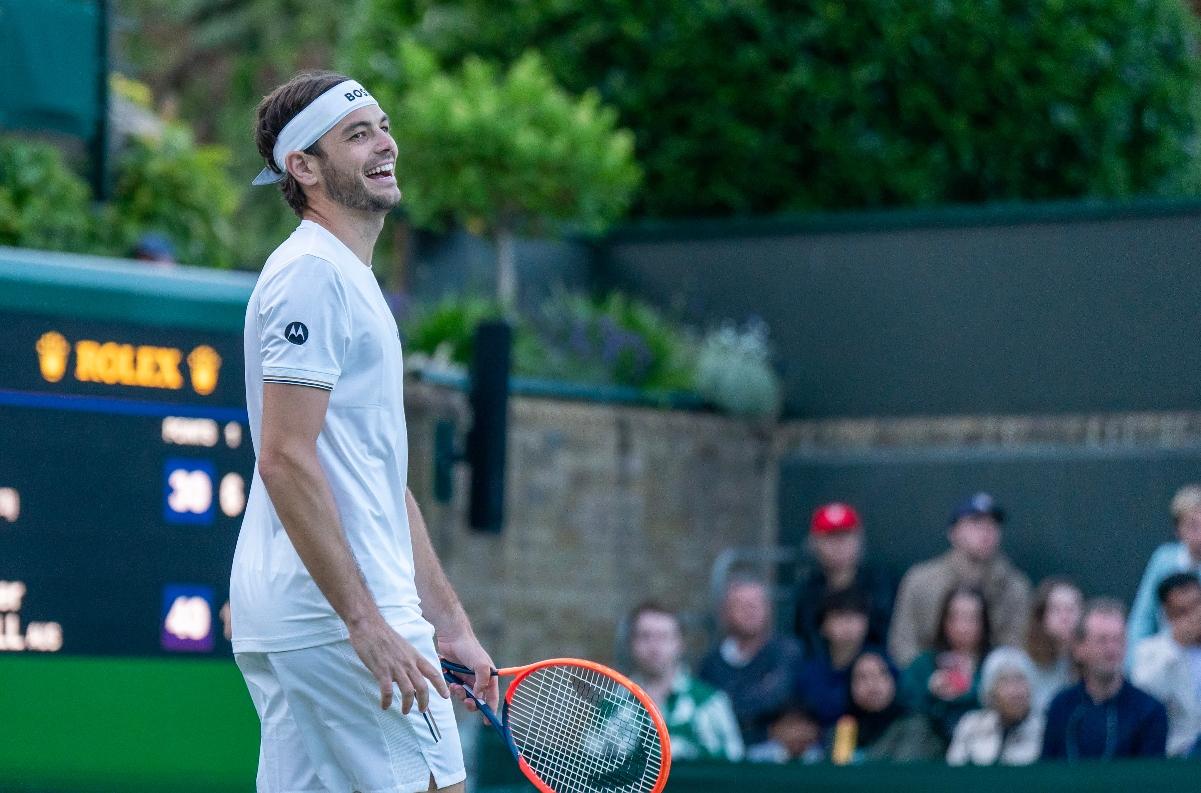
(961,662)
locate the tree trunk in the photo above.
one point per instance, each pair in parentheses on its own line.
(506,268)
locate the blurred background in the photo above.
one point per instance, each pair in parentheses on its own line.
(756,258)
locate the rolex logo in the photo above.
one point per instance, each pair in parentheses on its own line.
(204,365)
(296,332)
(53,351)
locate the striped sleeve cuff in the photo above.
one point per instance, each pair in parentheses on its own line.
(312,378)
(298,381)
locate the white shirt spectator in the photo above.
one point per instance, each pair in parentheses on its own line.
(1170,673)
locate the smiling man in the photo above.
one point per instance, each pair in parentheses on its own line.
(336,593)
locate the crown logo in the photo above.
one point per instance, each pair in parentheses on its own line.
(205,366)
(53,351)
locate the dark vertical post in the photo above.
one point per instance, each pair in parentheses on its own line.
(487,440)
(100,136)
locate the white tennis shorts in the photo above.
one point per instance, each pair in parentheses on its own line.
(323,730)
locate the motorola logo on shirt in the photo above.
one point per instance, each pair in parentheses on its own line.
(296,332)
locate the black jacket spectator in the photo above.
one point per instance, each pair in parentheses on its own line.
(759,688)
(877,585)
(836,540)
(1103,716)
(1130,724)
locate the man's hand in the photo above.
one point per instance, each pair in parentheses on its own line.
(391,659)
(465,649)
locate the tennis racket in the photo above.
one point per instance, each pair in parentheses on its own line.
(577,727)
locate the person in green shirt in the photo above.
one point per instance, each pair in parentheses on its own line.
(700,720)
(943,683)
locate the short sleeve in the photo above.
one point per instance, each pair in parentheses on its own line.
(304,324)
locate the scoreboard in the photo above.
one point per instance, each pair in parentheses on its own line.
(125,461)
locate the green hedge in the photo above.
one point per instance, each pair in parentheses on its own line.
(754,107)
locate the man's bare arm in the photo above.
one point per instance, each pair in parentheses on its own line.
(441,606)
(288,465)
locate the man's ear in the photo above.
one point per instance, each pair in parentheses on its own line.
(303,168)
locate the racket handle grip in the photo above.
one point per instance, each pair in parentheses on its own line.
(451,666)
(451,672)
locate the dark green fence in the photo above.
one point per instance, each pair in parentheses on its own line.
(1031,309)
(1120,777)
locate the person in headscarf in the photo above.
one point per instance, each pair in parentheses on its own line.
(877,722)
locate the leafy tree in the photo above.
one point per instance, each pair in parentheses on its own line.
(43,203)
(210,62)
(162,182)
(503,152)
(749,107)
(171,185)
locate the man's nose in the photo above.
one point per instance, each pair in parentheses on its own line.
(387,144)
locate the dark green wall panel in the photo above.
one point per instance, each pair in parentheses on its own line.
(1038,310)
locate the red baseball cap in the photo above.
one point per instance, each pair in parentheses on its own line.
(830,518)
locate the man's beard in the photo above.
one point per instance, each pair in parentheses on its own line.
(350,192)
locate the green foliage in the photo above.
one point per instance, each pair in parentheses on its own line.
(501,151)
(747,107)
(615,340)
(448,326)
(171,185)
(210,62)
(733,371)
(372,44)
(168,185)
(43,203)
(612,341)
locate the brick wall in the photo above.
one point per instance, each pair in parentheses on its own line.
(606,505)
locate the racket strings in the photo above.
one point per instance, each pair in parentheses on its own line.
(593,753)
(584,732)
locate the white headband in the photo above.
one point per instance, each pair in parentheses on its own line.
(318,118)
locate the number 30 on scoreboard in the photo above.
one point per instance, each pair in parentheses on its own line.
(188,491)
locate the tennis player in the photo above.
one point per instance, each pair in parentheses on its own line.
(336,593)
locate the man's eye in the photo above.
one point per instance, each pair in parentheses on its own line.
(357,135)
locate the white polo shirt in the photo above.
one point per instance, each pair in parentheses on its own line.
(317,318)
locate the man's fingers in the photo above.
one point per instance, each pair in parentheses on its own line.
(434,676)
(423,697)
(385,693)
(486,686)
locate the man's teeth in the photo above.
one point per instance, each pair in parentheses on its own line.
(380,169)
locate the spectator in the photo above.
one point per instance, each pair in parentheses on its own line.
(1103,716)
(154,249)
(1049,638)
(700,720)
(1172,557)
(793,735)
(825,680)
(884,729)
(942,683)
(1008,730)
(756,668)
(1168,665)
(836,542)
(974,560)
